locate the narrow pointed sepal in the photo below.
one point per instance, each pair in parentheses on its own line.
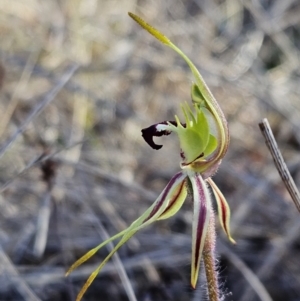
(223,209)
(202,211)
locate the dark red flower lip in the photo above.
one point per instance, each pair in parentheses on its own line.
(152,131)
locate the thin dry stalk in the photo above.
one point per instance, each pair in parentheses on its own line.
(279,162)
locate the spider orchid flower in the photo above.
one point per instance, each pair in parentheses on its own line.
(204,139)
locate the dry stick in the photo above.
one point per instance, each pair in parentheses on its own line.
(281,246)
(279,162)
(36,110)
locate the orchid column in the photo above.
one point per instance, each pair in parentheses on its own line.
(204,138)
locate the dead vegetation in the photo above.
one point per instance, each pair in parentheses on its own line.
(79,81)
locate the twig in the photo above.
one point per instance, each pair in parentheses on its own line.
(279,162)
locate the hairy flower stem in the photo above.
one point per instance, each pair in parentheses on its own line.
(209,262)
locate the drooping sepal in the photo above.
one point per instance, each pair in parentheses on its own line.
(223,209)
(201,220)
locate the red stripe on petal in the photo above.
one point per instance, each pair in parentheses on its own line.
(223,209)
(202,211)
(166,192)
(174,199)
(201,219)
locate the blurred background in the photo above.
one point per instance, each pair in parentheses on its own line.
(79,80)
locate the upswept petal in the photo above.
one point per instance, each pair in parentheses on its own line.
(202,211)
(223,209)
(167,204)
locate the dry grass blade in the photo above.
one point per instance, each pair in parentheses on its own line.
(279,162)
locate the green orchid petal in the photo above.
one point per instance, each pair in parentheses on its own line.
(223,209)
